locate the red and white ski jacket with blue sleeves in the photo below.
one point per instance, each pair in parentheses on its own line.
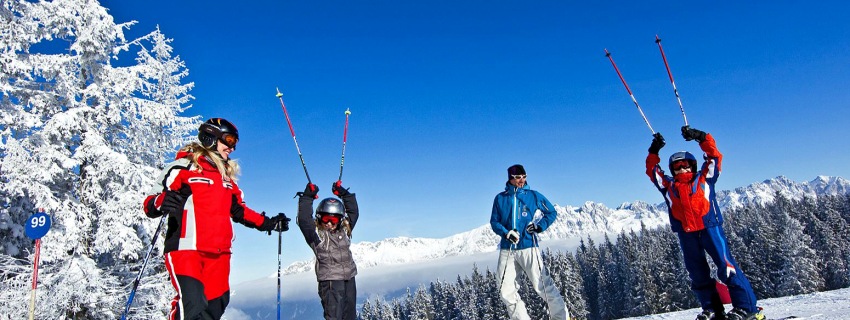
(692,204)
(212,202)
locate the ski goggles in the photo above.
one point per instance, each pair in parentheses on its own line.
(517,176)
(681,164)
(329,218)
(229,140)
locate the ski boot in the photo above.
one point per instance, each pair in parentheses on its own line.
(741,314)
(708,314)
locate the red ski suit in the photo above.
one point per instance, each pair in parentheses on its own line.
(198,242)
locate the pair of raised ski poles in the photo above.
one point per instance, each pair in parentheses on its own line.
(279,237)
(669,74)
(303,165)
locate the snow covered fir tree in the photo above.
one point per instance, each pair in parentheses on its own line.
(87,119)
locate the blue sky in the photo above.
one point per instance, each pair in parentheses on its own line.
(445,95)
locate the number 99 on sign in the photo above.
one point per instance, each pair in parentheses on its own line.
(37,225)
(37,221)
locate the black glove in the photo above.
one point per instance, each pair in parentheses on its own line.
(173,201)
(533,228)
(311,190)
(657,143)
(693,134)
(279,223)
(338,190)
(512,236)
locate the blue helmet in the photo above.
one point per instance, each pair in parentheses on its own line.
(683,155)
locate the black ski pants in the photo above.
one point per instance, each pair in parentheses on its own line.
(339,298)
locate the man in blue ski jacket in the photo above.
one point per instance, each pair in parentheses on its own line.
(513,219)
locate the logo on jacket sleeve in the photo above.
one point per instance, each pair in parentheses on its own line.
(201,180)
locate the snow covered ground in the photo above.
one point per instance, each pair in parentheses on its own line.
(829,305)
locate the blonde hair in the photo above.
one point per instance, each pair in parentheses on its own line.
(346,226)
(227,168)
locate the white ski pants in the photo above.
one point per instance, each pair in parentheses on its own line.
(530,261)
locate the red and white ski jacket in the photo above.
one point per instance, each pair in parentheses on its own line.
(212,202)
(692,204)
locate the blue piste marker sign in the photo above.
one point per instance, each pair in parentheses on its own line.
(37,225)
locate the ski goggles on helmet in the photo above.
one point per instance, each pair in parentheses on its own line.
(229,140)
(518,176)
(329,218)
(681,164)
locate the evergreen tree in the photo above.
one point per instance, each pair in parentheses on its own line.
(420,306)
(672,275)
(745,234)
(588,261)
(438,299)
(831,240)
(367,311)
(98,133)
(611,298)
(571,285)
(496,306)
(798,272)
(466,302)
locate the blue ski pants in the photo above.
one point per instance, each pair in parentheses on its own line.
(712,241)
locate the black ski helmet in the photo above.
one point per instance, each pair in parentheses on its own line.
(683,155)
(330,206)
(218,129)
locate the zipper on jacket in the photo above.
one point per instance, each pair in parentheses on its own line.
(513,210)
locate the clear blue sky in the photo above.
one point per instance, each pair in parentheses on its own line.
(445,95)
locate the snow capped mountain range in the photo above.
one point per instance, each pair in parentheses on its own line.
(765,192)
(573,222)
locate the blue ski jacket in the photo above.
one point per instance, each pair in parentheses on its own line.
(514,208)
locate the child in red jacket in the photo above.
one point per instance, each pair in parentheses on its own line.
(696,219)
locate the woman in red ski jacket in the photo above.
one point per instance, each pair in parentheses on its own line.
(695,218)
(198,192)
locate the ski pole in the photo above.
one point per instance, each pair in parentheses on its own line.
(144,264)
(539,256)
(670,74)
(344,138)
(278,272)
(608,54)
(280,96)
(512,258)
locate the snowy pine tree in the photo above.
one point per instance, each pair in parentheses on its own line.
(82,133)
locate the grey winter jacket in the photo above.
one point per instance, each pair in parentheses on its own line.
(331,247)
